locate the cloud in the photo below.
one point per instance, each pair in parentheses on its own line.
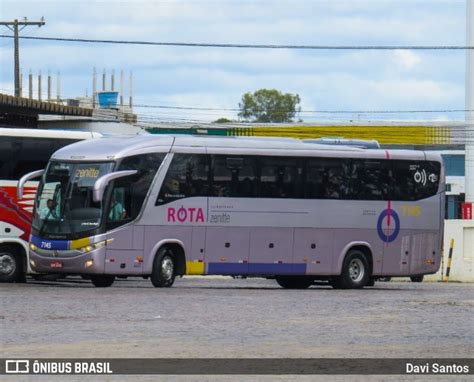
(218,77)
(406,58)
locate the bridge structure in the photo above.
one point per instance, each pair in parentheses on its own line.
(24,112)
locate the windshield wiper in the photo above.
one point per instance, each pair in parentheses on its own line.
(43,225)
(67,198)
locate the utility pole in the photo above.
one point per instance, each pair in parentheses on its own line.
(16,26)
(469,145)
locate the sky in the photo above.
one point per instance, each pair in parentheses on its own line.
(326,80)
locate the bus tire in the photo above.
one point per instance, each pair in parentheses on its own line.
(355,271)
(163,273)
(292,282)
(371,282)
(417,279)
(11,265)
(102,281)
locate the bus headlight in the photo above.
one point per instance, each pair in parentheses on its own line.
(89,263)
(33,247)
(91,247)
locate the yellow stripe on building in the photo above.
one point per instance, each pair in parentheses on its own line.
(403,135)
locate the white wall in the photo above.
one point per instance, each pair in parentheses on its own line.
(457,185)
(462,264)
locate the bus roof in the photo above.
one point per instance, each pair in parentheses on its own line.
(119,147)
(361,143)
(44,133)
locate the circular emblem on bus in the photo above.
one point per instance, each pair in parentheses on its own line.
(388,226)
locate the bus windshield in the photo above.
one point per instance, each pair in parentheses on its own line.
(64,203)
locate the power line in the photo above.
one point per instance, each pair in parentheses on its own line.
(315,111)
(204,108)
(251,46)
(311,111)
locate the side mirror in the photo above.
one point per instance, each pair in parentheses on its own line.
(24,179)
(101,183)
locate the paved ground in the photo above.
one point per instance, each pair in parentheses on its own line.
(222,317)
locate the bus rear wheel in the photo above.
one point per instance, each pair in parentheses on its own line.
(10,265)
(294,282)
(417,279)
(355,272)
(102,281)
(163,274)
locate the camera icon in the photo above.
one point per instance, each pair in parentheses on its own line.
(17,366)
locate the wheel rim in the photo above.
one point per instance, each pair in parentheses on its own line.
(167,268)
(7,264)
(356,270)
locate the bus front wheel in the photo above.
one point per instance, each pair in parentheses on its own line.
(355,272)
(294,282)
(163,274)
(102,281)
(417,279)
(10,265)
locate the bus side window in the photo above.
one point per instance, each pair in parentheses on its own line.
(197,175)
(6,163)
(278,177)
(233,176)
(314,180)
(221,176)
(268,181)
(420,179)
(370,179)
(117,210)
(328,178)
(31,154)
(187,176)
(21,155)
(246,179)
(129,193)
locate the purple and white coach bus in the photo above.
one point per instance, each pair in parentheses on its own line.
(165,206)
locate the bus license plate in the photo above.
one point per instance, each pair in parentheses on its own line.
(56,264)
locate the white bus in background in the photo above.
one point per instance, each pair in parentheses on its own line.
(23,151)
(165,206)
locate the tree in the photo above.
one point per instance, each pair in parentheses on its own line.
(222,120)
(269,105)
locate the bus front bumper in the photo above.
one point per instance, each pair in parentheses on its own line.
(54,262)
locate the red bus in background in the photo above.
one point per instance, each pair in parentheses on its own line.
(23,151)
